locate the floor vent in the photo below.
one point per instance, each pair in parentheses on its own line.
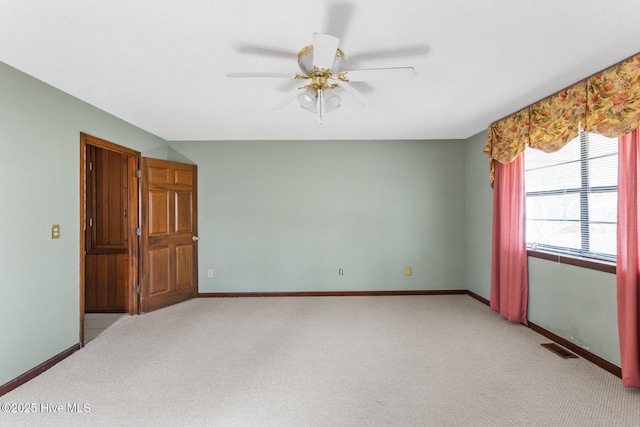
(560,351)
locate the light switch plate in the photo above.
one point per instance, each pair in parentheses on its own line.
(407,271)
(55,231)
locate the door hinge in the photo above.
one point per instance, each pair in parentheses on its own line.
(138,173)
(90,166)
(138,231)
(137,289)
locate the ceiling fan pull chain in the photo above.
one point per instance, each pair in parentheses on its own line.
(320,105)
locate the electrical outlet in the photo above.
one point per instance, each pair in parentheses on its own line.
(209,273)
(407,271)
(55,231)
(340,272)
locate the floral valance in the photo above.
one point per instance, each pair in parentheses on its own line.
(613,100)
(556,120)
(607,103)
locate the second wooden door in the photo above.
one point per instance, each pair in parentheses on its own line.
(169,233)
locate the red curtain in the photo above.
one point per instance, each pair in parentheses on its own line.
(509,277)
(628,257)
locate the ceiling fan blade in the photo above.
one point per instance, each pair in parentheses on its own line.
(261,75)
(337,18)
(378,74)
(399,52)
(283,102)
(348,89)
(289,85)
(325,47)
(262,50)
(362,87)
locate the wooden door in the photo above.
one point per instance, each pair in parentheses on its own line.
(169,233)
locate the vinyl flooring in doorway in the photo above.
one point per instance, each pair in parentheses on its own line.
(97,323)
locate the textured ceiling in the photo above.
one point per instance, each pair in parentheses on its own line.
(162,64)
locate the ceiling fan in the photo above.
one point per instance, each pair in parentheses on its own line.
(323,66)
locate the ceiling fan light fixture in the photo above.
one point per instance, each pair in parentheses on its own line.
(331,102)
(308,99)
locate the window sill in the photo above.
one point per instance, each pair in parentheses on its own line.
(607,267)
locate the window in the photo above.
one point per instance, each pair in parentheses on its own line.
(571,198)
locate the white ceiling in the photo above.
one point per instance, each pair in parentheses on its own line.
(161,64)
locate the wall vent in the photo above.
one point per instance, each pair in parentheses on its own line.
(559,351)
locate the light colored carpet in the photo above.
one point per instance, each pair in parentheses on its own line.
(325,361)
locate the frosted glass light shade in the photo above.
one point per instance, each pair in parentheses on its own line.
(331,102)
(308,99)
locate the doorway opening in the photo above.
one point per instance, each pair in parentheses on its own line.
(109,221)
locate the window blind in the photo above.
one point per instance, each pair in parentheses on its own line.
(571,197)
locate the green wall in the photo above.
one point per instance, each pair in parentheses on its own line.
(577,304)
(479,216)
(39,182)
(280,216)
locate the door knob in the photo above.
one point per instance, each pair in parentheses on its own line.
(195,238)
